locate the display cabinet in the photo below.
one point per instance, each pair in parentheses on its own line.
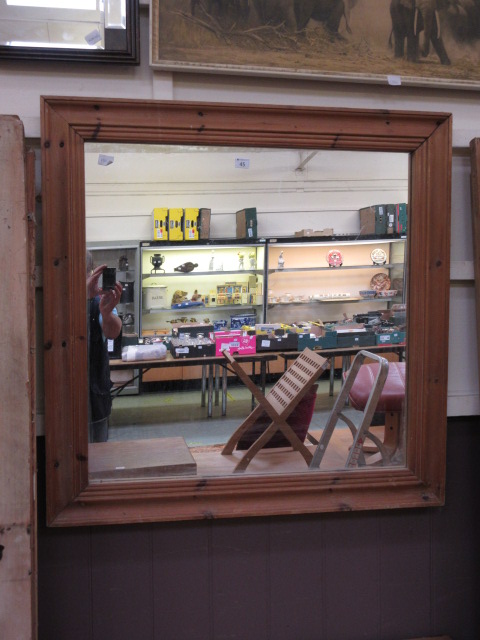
(124,257)
(333,278)
(218,282)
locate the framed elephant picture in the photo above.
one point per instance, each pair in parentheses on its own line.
(411,42)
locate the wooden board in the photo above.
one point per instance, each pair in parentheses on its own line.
(140,459)
(17,444)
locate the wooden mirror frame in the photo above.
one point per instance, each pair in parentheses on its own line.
(122,46)
(67,123)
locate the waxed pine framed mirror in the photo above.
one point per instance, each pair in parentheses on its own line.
(72,125)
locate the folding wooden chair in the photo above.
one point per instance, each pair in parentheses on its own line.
(278,404)
(355,456)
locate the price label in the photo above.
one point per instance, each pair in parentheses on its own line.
(105,160)
(242,163)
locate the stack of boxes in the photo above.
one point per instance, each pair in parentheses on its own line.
(181,224)
(384,219)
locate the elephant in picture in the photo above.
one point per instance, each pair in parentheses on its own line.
(275,13)
(328,12)
(463,20)
(296,14)
(409,19)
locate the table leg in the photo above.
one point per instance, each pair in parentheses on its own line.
(204,384)
(210,390)
(332,375)
(217,383)
(224,391)
(253,379)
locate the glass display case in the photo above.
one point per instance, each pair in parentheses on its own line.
(219,283)
(124,257)
(332,279)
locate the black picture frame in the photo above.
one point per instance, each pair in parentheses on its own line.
(121,46)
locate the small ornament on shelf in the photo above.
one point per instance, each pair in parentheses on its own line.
(252,260)
(241,265)
(281,261)
(334,258)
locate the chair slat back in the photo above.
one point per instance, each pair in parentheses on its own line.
(296,381)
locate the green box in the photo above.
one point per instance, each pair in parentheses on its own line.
(247,223)
(391,338)
(401,219)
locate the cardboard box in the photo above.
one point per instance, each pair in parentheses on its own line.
(180,330)
(380,219)
(160,223)
(235,342)
(373,220)
(272,342)
(175,224)
(204,217)
(247,223)
(356,339)
(391,218)
(328,341)
(396,337)
(192,348)
(239,321)
(401,219)
(367,221)
(191,224)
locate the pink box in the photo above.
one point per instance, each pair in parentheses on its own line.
(235,342)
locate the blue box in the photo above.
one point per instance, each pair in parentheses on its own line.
(248,319)
(219,325)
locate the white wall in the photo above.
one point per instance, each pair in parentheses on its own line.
(22,83)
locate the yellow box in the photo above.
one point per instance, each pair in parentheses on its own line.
(175,224)
(190,224)
(160,223)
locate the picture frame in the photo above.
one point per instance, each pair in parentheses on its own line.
(120,46)
(355,41)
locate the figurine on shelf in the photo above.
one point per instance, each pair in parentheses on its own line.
(186,267)
(123,263)
(241,258)
(252,259)
(157,260)
(281,261)
(211,264)
(179,296)
(196,296)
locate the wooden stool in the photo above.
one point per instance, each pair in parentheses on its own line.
(390,402)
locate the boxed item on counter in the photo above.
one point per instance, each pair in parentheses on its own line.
(362,338)
(175,224)
(272,342)
(395,337)
(192,347)
(234,342)
(160,223)
(239,321)
(190,224)
(204,220)
(191,329)
(401,218)
(312,341)
(247,223)
(373,220)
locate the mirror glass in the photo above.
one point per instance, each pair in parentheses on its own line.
(69,24)
(324,267)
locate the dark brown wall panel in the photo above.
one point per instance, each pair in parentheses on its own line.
(389,575)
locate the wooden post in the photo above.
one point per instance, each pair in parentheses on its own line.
(18,618)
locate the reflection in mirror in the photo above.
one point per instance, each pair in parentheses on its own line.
(69,30)
(316,262)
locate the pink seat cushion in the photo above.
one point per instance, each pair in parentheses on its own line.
(299,420)
(393,393)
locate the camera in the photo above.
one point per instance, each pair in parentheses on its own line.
(109,278)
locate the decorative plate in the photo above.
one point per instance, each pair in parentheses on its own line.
(334,258)
(378,256)
(380,282)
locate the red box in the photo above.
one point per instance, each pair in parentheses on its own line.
(235,342)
